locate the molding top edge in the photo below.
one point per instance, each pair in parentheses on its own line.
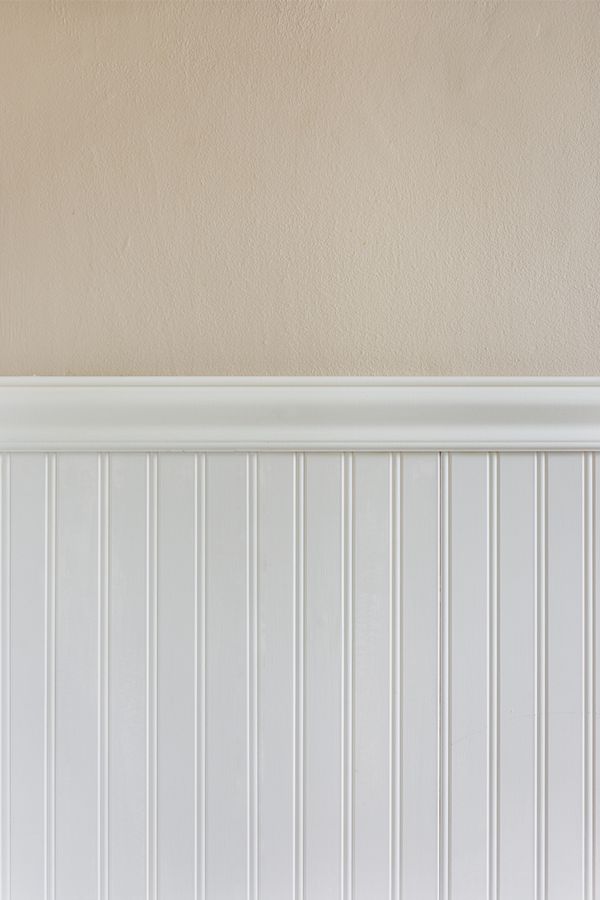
(46,414)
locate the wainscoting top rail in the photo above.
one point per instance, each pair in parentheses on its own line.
(299,413)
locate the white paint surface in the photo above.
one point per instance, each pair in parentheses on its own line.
(299,413)
(228,675)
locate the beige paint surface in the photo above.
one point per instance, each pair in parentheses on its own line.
(299,188)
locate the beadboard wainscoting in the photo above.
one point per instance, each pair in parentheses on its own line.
(242,672)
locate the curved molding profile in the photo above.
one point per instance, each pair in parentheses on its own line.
(299,413)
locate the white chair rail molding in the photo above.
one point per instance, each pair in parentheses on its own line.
(299,639)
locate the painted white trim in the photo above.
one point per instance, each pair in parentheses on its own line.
(299,413)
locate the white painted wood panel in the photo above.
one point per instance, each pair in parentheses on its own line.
(592,841)
(230,760)
(468,800)
(371,681)
(322,780)
(78,681)
(280,655)
(516,592)
(416,674)
(24,533)
(127,723)
(564,475)
(175,675)
(295,675)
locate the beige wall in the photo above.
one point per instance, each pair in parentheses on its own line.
(299,187)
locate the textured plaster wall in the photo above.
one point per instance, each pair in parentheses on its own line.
(299,187)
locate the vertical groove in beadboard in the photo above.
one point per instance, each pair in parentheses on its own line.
(444,663)
(589,737)
(200,676)
(492,673)
(298,674)
(151,673)
(103,670)
(396,655)
(252,673)
(541,733)
(50,680)
(347,676)
(5,675)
